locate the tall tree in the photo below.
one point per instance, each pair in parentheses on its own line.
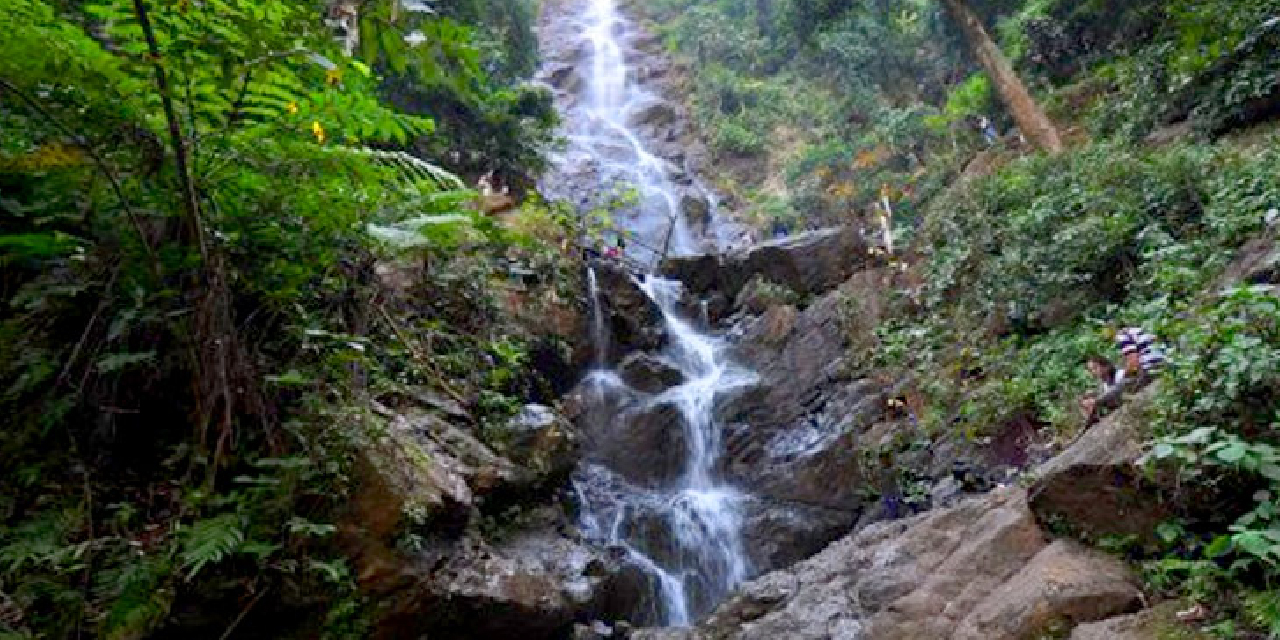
(1031,119)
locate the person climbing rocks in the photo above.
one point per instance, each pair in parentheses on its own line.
(615,252)
(988,130)
(1110,388)
(781,229)
(891,503)
(1141,360)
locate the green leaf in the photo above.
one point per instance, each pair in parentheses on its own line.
(209,541)
(1253,543)
(119,361)
(1220,546)
(1169,532)
(291,378)
(1232,453)
(369,40)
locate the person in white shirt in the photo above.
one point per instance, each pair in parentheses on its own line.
(1142,359)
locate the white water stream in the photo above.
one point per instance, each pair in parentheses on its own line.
(604,145)
(685,533)
(695,552)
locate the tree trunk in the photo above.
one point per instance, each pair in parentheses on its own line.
(1031,119)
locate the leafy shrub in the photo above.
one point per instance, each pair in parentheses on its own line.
(735,138)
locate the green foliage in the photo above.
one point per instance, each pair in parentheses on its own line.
(1018,264)
(176,361)
(973,97)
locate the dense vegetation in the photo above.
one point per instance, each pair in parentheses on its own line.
(1018,265)
(196,199)
(815,107)
(206,206)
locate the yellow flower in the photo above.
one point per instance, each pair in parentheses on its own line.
(317,131)
(292,108)
(333,76)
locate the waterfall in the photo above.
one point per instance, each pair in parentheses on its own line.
(599,336)
(604,146)
(696,554)
(681,525)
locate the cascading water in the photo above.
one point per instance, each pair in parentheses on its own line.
(682,530)
(695,553)
(603,145)
(599,335)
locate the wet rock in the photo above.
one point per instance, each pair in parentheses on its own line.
(649,373)
(542,442)
(810,263)
(633,320)
(790,351)
(564,77)
(644,445)
(1096,486)
(1065,584)
(1157,623)
(913,578)
(532,586)
(695,208)
(655,115)
(666,634)
(779,534)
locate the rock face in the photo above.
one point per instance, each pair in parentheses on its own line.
(633,321)
(532,586)
(643,445)
(1157,623)
(779,534)
(793,435)
(981,569)
(649,373)
(534,582)
(1096,484)
(543,442)
(809,263)
(1064,584)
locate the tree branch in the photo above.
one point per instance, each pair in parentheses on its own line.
(190,202)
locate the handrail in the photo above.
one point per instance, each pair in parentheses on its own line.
(659,254)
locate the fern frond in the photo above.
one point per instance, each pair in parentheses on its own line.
(139,598)
(210,541)
(411,166)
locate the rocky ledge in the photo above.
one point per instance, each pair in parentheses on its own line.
(978,570)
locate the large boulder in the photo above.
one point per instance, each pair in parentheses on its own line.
(980,569)
(543,443)
(1064,585)
(912,578)
(422,464)
(810,263)
(1096,485)
(655,115)
(791,351)
(813,460)
(534,585)
(695,208)
(644,444)
(633,320)
(777,534)
(649,373)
